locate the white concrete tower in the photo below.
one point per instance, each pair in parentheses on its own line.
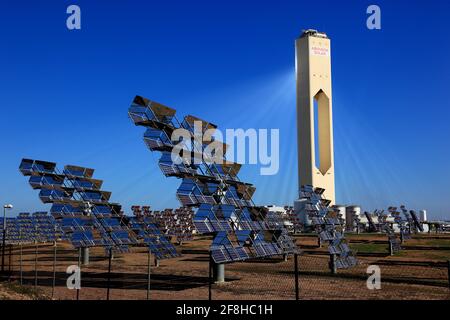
(314,112)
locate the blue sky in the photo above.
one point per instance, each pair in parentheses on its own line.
(64,94)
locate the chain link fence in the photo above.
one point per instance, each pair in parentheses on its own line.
(263,279)
(188,277)
(398,280)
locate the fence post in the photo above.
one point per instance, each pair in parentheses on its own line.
(210,278)
(10,262)
(4,244)
(79,267)
(109,273)
(448,272)
(297,291)
(21,258)
(54,267)
(148,273)
(9,258)
(35,265)
(333,268)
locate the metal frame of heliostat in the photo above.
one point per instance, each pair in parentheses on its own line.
(223,203)
(85,213)
(79,205)
(32,230)
(329,227)
(82,209)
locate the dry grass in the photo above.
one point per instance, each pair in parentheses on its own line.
(15,291)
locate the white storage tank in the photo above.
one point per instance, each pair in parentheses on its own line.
(341,211)
(351,213)
(282,213)
(423,215)
(299,209)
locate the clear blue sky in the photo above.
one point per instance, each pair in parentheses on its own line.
(64,94)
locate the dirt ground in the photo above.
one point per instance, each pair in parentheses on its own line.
(417,272)
(7,294)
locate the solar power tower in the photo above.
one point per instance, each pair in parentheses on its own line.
(224,203)
(328,226)
(78,203)
(315,112)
